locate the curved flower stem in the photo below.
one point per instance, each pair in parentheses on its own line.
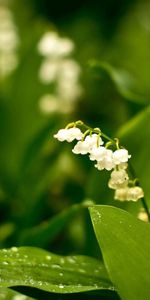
(108,138)
(144,203)
(98,131)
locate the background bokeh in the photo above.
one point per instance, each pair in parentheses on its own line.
(40,177)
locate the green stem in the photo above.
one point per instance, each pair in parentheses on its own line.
(144,203)
(146,208)
(108,138)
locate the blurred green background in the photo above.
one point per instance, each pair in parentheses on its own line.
(40,177)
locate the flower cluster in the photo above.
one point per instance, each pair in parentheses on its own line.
(8,43)
(60,72)
(116,160)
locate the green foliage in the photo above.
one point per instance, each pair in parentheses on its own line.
(42,185)
(44,233)
(124,242)
(33,267)
(135,134)
(119,79)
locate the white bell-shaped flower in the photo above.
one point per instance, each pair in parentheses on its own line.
(93,141)
(120,156)
(69,134)
(121,194)
(122,166)
(86,146)
(106,161)
(119,176)
(97,153)
(61,135)
(115,186)
(81,148)
(135,193)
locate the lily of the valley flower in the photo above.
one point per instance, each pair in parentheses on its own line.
(69,134)
(90,142)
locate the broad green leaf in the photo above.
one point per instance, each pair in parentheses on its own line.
(125,246)
(36,268)
(119,78)
(45,233)
(135,137)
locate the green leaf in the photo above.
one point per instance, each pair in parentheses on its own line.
(125,245)
(45,233)
(120,79)
(36,268)
(135,137)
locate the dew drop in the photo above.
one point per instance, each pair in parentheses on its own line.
(48,257)
(31,281)
(71,260)
(14,249)
(4,250)
(19,297)
(111,288)
(55,266)
(44,265)
(62,260)
(61,286)
(5,263)
(82,271)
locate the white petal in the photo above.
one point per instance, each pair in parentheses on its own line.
(121,156)
(61,135)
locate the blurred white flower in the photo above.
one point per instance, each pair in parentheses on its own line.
(68,86)
(48,71)
(9,42)
(8,62)
(59,70)
(53,45)
(49,104)
(8,39)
